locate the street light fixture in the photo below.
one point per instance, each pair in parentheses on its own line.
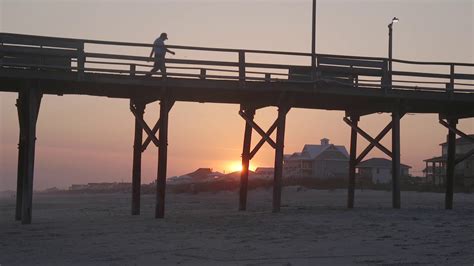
(390,29)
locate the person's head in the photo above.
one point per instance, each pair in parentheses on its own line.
(164,36)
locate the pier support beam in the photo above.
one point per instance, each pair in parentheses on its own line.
(248,115)
(28,105)
(396,158)
(137,107)
(451,163)
(165,106)
(352,163)
(280,143)
(21,166)
(374,142)
(244,174)
(137,157)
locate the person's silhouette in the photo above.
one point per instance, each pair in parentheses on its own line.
(160,50)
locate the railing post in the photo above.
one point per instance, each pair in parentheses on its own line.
(268,77)
(81,60)
(352,163)
(386,83)
(133,70)
(352,76)
(242,68)
(313,67)
(450,86)
(203,74)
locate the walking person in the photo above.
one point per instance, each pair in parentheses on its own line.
(160,50)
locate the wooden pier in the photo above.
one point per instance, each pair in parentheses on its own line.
(36,65)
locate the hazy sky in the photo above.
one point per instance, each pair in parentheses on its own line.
(89,139)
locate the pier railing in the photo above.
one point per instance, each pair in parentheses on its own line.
(27,52)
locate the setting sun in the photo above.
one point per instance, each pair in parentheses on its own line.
(237,166)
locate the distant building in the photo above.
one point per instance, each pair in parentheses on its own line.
(379,170)
(77,187)
(265,172)
(200,175)
(319,161)
(435,171)
(102,186)
(237,174)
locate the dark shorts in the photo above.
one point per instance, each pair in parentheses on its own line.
(160,63)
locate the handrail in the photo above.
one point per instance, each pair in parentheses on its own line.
(343,69)
(431,63)
(119,43)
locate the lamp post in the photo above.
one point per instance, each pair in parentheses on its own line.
(390,40)
(395,129)
(313,43)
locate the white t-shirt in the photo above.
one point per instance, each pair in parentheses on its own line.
(159,45)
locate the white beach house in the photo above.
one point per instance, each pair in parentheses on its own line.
(435,171)
(319,161)
(379,170)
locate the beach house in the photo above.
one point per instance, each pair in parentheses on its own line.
(322,161)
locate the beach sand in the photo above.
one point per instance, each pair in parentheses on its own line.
(313,228)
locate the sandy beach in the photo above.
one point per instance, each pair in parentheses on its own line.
(313,228)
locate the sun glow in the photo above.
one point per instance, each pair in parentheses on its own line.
(237,166)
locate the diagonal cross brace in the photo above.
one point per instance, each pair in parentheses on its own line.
(262,141)
(155,129)
(144,125)
(379,137)
(372,141)
(258,129)
(464,156)
(457,131)
(462,134)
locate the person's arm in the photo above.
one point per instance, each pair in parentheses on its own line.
(152,51)
(169,51)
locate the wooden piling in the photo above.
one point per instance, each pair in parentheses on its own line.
(21,160)
(396,159)
(352,163)
(280,140)
(162,159)
(244,174)
(451,163)
(137,158)
(29,103)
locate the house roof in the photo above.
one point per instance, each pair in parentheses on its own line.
(378,163)
(315,150)
(444,158)
(436,159)
(203,173)
(461,140)
(264,169)
(312,151)
(297,156)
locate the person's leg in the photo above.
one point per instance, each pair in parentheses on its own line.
(163,69)
(155,68)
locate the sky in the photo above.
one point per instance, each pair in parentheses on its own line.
(83,139)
